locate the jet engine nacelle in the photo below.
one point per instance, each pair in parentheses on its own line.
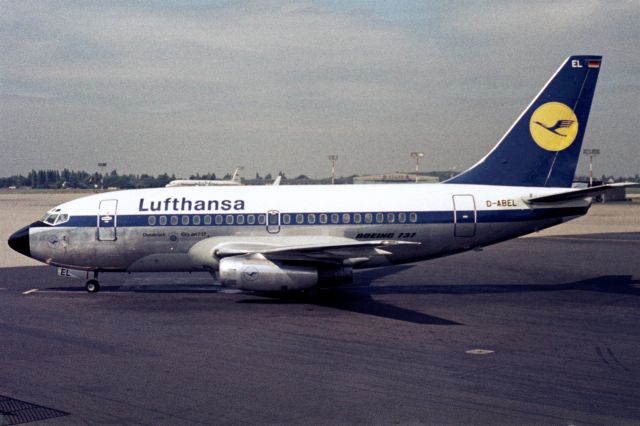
(261,274)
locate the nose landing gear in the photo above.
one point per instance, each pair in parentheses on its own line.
(93,285)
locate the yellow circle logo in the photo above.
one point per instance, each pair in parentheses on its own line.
(553,126)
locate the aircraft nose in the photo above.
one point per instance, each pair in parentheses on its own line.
(19,241)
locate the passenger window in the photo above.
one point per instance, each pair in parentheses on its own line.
(345,218)
(391,217)
(261,219)
(207,220)
(357,218)
(286,219)
(413,217)
(174,220)
(185,220)
(229,219)
(240,219)
(323,218)
(151,220)
(163,220)
(311,218)
(218,219)
(379,217)
(368,217)
(251,219)
(335,218)
(196,220)
(300,218)
(402,217)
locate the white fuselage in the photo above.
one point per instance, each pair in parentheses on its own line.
(154,229)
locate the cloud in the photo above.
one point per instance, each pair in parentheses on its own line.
(279,71)
(207,86)
(516,18)
(233,46)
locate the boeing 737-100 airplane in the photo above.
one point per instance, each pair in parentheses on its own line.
(279,238)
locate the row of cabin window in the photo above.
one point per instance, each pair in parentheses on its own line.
(286,219)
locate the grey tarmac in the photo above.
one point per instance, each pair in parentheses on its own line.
(535,330)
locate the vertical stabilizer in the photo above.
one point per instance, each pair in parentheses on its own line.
(542,147)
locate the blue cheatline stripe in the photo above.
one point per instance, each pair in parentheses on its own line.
(490,216)
(321,219)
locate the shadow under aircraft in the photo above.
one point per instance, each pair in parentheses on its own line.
(360,296)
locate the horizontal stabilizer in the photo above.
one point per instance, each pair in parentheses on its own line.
(578,193)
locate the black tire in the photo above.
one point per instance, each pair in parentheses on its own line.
(92,286)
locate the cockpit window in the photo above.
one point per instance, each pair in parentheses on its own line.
(55,218)
(50,218)
(62,218)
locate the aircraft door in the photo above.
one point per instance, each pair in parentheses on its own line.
(107,220)
(464,215)
(273,221)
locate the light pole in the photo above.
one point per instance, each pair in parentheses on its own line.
(591,153)
(102,166)
(333,159)
(417,156)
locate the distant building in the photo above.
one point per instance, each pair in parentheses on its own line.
(395,178)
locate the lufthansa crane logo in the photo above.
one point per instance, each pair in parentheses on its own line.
(553,126)
(250,273)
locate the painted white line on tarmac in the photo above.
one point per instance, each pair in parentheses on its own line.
(33,290)
(479,351)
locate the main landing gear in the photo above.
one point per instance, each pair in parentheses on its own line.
(93,285)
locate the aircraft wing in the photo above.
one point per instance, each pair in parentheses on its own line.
(334,250)
(574,194)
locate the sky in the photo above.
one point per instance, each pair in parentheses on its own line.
(191,87)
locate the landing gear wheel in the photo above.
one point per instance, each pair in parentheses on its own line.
(92,286)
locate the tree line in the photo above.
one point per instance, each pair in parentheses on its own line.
(80,179)
(59,179)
